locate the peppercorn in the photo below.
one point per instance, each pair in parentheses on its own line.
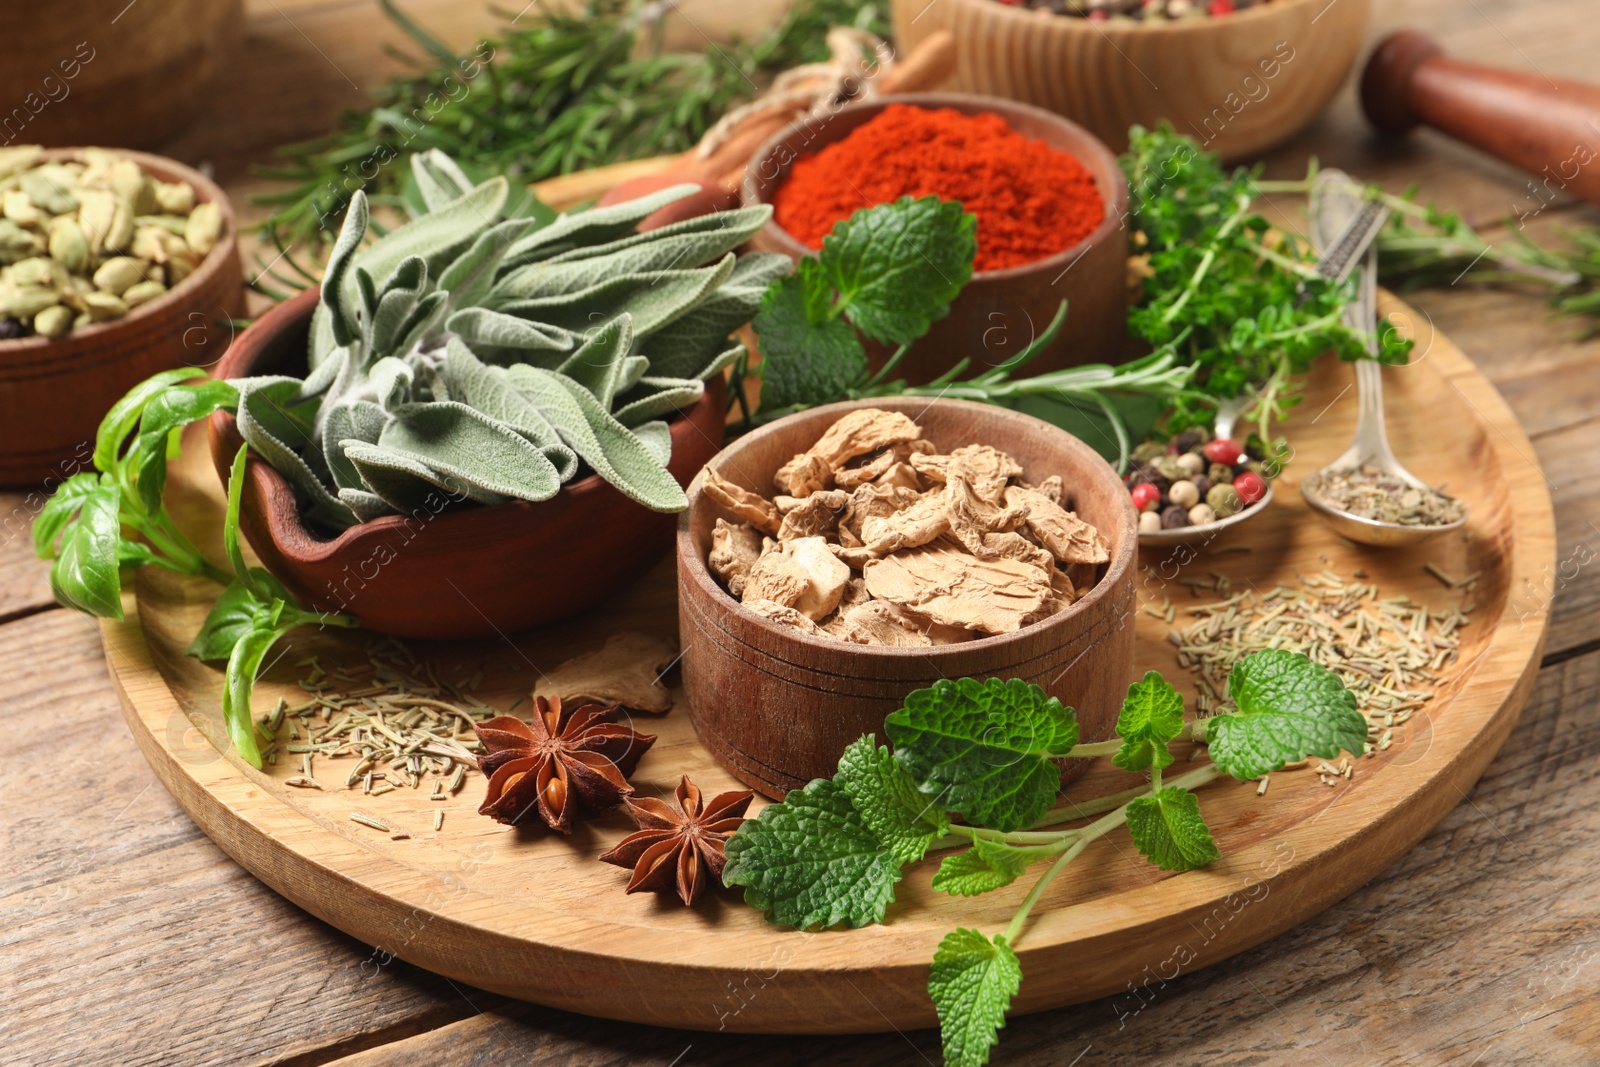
(1219,472)
(1222,450)
(1146,497)
(1148,450)
(1250,487)
(1202,485)
(1174,517)
(1224,500)
(1169,467)
(1149,522)
(1145,473)
(1189,440)
(1184,494)
(1192,462)
(1202,515)
(10,329)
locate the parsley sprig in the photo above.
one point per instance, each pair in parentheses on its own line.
(973,769)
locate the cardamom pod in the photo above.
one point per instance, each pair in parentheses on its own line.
(53,321)
(120,235)
(26,301)
(103,307)
(142,293)
(15,160)
(180,266)
(175,198)
(172,223)
(17,243)
(37,270)
(50,187)
(117,275)
(149,242)
(97,210)
(134,186)
(68,246)
(20,210)
(204,227)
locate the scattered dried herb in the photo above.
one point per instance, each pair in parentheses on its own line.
(1369,493)
(558,768)
(679,848)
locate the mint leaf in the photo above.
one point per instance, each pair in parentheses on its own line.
(1168,830)
(987,865)
(905,821)
(897,266)
(972,982)
(1151,716)
(809,355)
(1289,708)
(812,861)
(984,749)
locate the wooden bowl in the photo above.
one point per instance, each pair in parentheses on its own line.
(999,311)
(109,71)
(777,707)
(459,572)
(54,393)
(1238,84)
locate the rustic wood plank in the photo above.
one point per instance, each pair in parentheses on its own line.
(1481,945)
(113,899)
(24,578)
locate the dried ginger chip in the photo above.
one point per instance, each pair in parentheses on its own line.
(986,469)
(1069,538)
(874,501)
(994,596)
(741,503)
(1009,544)
(972,517)
(816,516)
(734,550)
(802,574)
(784,616)
(922,522)
(1052,488)
(803,475)
(876,465)
(626,671)
(878,623)
(861,431)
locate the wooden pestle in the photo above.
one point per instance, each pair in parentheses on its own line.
(1549,128)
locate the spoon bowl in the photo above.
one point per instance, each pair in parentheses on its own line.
(1183,535)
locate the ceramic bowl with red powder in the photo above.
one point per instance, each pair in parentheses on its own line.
(1049,198)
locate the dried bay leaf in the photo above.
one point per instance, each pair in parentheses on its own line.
(626,670)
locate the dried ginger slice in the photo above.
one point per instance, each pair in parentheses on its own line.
(972,517)
(877,464)
(986,469)
(993,596)
(784,615)
(803,475)
(875,501)
(816,516)
(1052,488)
(802,574)
(878,623)
(740,502)
(861,431)
(734,550)
(1069,538)
(912,527)
(626,671)
(1008,544)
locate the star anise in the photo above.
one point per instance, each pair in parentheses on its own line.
(679,848)
(558,768)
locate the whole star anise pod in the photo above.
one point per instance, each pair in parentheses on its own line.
(555,770)
(679,848)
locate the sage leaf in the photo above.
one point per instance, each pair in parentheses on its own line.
(1169,831)
(656,437)
(812,862)
(356,420)
(396,302)
(270,415)
(653,300)
(595,226)
(972,982)
(405,482)
(481,326)
(441,235)
(472,448)
(489,390)
(597,363)
(366,505)
(470,276)
(655,397)
(440,180)
(339,292)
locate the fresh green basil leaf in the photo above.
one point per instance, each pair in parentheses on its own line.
(972,982)
(169,411)
(984,749)
(1290,708)
(60,510)
(904,820)
(125,413)
(244,664)
(1151,716)
(812,862)
(1169,831)
(236,611)
(86,574)
(898,266)
(809,356)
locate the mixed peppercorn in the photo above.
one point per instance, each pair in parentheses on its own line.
(1194,480)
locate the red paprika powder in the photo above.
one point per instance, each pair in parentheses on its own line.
(1031,200)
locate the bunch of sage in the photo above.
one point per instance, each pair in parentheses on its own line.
(496,358)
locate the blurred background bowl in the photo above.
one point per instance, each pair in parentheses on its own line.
(1237,83)
(999,311)
(53,393)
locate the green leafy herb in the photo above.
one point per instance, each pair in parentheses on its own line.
(831,853)
(972,982)
(1169,832)
(813,861)
(1289,708)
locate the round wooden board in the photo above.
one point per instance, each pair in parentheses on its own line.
(532,915)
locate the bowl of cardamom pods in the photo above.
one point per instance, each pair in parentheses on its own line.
(113,265)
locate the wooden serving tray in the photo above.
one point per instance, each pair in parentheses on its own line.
(529,914)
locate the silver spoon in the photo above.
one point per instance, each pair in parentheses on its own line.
(1334,207)
(1227,414)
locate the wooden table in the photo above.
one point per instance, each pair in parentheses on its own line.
(127,936)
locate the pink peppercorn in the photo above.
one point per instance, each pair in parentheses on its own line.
(1222,450)
(1250,487)
(1146,497)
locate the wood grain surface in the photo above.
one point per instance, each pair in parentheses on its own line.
(1481,945)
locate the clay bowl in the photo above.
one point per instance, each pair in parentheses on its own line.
(1239,83)
(54,393)
(999,311)
(777,708)
(460,572)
